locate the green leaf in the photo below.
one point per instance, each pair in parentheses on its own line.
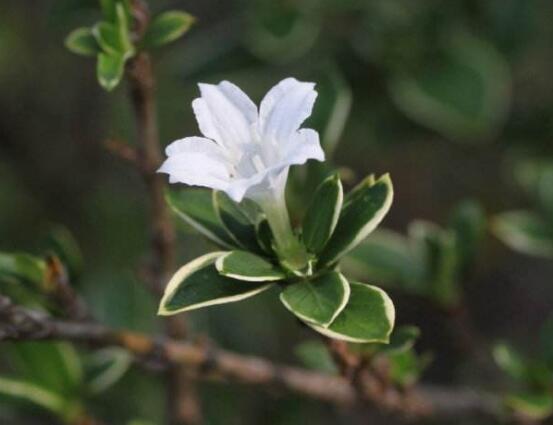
(54,366)
(108,38)
(24,268)
(106,367)
(510,361)
(364,208)
(436,250)
(464,97)
(318,300)
(314,355)
(368,317)
(332,109)
(167,27)
(35,394)
(468,223)
(402,339)
(524,231)
(322,215)
(81,41)
(109,70)
(406,367)
(535,176)
(265,236)
(238,219)
(536,406)
(127,48)
(114,37)
(198,284)
(108,9)
(248,267)
(195,207)
(385,257)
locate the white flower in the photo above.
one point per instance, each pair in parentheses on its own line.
(246,152)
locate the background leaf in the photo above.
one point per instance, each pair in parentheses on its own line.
(82,42)
(524,231)
(465,98)
(167,27)
(110,70)
(195,207)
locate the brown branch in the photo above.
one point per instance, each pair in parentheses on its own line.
(206,362)
(183,404)
(142,85)
(58,288)
(123,151)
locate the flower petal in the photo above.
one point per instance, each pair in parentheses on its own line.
(194,145)
(258,183)
(303,145)
(285,107)
(198,162)
(225,114)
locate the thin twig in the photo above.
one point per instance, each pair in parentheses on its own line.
(183,404)
(123,151)
(207,362)
(59,289)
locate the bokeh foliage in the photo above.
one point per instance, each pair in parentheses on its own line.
(452,97)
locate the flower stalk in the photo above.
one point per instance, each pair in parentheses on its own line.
(290,250)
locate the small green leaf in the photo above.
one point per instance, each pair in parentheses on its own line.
(167,27)
(318,300)
(536,406)
(81,41)
(198,284)
(368,317)
(23,267)
(127,48)
(195,207)
(63,374)
(314,355)
(114,38)
(468,223)
(106,367)
(238,219)
(108,9)
(322,215)
(108,38)
(265,236)
(248,267)
(402,339)
(109,70)
(524,231)
(364,208)
(406,367)
(436,250)
(35,394)
(510,361)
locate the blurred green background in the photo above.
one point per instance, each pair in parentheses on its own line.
(449,96)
